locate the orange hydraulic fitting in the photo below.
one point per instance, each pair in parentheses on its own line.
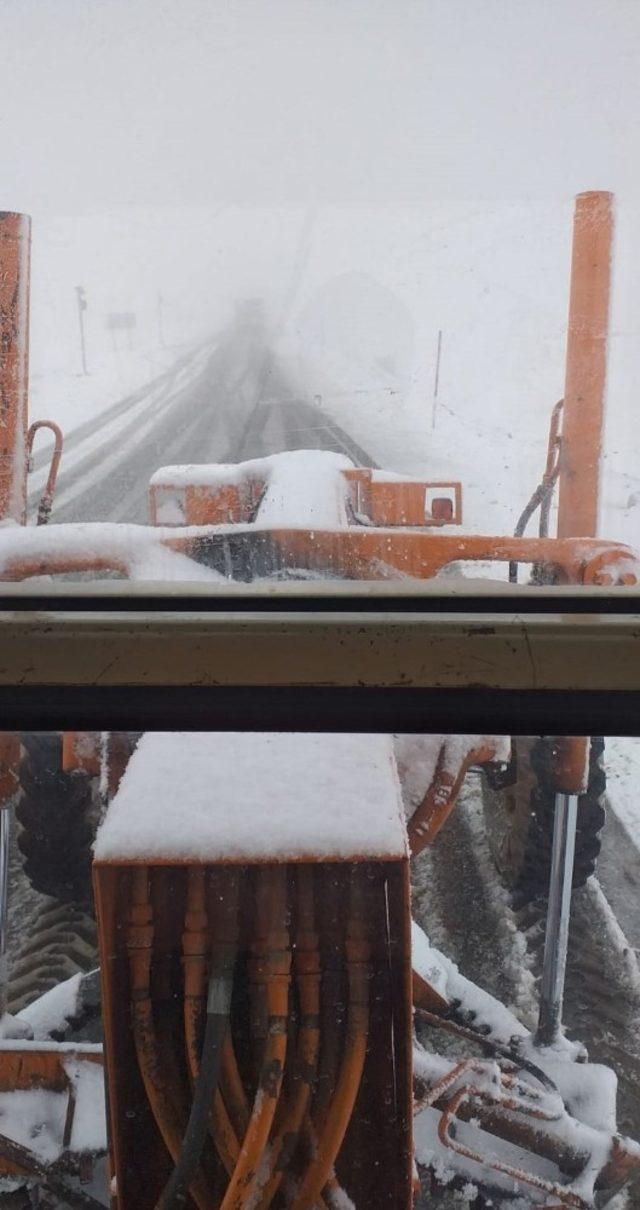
(160,1093)
(271,965)
(307,972)
(441,797)
(338,1115)
(570,763)
(46,500)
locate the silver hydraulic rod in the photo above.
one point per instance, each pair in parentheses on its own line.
(5,841)
(557,933)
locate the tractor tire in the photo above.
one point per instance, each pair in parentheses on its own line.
(57,813)
(535,869)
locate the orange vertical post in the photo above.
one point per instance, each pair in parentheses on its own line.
(583,420)
(15,245)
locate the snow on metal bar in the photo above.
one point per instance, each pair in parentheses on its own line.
(37,1118)
(209,797)
(137,551)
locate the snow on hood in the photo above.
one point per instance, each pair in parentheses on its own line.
(302,488)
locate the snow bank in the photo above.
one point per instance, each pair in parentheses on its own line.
(211,797)
(622,759)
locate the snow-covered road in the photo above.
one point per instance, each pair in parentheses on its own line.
(225,401)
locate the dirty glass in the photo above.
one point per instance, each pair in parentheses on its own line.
(324,292)
(333,241)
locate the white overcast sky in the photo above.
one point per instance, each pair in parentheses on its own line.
(107,103)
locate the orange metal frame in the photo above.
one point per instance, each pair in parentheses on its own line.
(357,552)
(15,244)
(586,365)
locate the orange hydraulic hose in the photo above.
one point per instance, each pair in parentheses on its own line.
(271,966)
(333,1005)
(160,1096)
(195,947)
(339,1113)
(224,892)
(307,970)
(46,501)
(441,797)
(195,944)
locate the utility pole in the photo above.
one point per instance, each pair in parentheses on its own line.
(82,306)
(160,324)
(436,381)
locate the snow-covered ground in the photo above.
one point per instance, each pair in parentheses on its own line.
(622,758)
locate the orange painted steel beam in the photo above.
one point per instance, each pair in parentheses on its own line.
(356,552)
(586,366)
(15,243)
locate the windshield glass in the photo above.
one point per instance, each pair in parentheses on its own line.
(337,230)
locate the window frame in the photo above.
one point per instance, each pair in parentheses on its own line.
(371,657)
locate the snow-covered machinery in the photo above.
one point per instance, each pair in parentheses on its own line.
(255,933)
(285,946)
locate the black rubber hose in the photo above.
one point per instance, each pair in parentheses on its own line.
(176,1190)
